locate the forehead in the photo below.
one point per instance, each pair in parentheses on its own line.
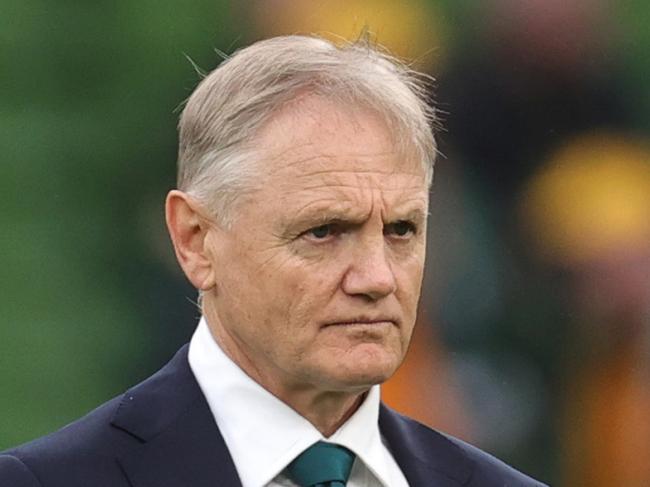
(320,162)
(314,136)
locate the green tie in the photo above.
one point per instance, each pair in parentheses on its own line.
(322,464)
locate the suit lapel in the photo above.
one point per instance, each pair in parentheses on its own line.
(179,443)
(426,457)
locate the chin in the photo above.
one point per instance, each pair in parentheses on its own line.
(364,372)
(368,380)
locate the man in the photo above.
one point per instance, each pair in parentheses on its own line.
(304,172)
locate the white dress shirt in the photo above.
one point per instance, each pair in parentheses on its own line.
(263,434)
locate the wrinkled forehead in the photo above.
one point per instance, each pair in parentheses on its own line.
(315,131)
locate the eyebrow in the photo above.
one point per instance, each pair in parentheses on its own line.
(329,214)
(321,216)
(417,215)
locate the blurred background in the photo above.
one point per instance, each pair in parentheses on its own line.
(534,333)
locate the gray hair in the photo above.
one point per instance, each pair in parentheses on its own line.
(217,155)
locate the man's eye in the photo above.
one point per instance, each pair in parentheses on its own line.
(320,232)
(401,228)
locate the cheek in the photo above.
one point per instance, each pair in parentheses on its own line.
(280,301)
(307,296)
(408,295)
(409,277)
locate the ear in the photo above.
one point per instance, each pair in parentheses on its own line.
(188,231)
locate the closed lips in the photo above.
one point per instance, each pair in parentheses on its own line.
(361,321)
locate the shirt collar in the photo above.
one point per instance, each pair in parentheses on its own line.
(263,434)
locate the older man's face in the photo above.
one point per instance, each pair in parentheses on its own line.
(319,277)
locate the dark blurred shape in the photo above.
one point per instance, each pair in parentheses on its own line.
(535,73)
(587,212)
(524,78)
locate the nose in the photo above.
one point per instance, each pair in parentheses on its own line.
(370,273)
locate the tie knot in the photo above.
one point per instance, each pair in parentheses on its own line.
(322,463)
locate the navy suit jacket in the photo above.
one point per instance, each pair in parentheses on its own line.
(161,433)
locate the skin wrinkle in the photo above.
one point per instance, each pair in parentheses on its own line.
(282,157)
(345,186)
(355,158)
(323,211)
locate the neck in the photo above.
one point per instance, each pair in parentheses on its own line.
(329,411)
(325,410)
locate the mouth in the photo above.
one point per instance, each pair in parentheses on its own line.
(363,322)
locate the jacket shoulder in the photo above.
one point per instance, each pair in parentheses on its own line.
(446,455)
(489,470)
(69,456)
(15,473)
(88,451)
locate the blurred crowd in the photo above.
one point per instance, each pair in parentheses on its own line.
(534,333)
